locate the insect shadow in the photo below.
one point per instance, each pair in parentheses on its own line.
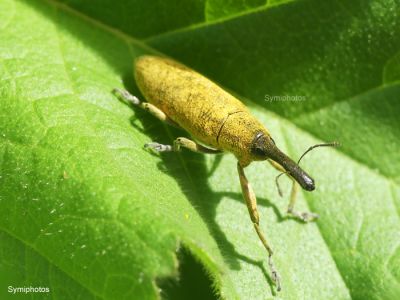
(191,173)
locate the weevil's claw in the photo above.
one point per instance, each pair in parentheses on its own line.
(308,216)
(304,216)
(119,93)
(116,91)
(124,95)
(276,279)
(157,147)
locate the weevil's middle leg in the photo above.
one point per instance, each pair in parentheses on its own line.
(179,143)
(251,203)
(304,216)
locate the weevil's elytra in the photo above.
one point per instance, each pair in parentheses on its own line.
(184,98)
(198,105)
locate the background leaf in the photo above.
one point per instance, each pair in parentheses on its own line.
(80,210)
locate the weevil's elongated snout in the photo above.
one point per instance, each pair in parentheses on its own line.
(305,180)
(266,145)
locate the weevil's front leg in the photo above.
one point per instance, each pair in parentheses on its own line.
(304,216)
(251,203)
(155,111)
(179,143)
(159,114)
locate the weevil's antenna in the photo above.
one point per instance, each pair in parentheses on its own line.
(277,184)
(330,144)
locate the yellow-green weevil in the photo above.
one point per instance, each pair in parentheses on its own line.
(215,118)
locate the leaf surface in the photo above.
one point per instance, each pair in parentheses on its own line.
(94,216)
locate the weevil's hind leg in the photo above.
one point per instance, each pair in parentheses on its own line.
(179,143)
(156,112)
(304,216)
(251,203)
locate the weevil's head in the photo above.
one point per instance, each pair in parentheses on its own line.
(263,147)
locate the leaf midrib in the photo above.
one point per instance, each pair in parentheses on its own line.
(206,23)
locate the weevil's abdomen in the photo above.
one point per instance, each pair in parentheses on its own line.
(198,105)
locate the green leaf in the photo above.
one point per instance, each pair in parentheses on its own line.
(216,9)
(88,213)
(140,18)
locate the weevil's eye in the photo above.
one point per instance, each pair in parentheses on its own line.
(259,152)
(258,146)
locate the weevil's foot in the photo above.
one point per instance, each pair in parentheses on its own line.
(157,147)
(276,279)
(126,96)
(304,216)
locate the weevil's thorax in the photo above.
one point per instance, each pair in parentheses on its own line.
(238,135)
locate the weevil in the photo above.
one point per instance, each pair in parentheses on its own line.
(217,122)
